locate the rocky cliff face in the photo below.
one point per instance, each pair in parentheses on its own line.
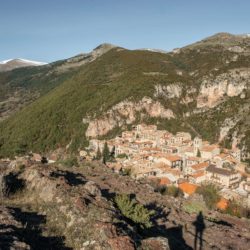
(214,91)
(171,91)
(124,113)
(211,94)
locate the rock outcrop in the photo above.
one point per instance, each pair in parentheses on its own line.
(85,58)
(78,205)
(170,91)
(225,128)
(124,113)
(214,91)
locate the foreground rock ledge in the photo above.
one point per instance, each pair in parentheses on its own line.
(77,203)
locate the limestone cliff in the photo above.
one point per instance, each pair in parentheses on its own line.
(126,112)
(214,91)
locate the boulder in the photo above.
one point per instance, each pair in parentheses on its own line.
(93,188)
(122,242)
(158,243)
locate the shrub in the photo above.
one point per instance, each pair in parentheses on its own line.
(238,210)
(134,211)
(98,154)
(167,190)
(193,207)
(44,160)
(210,194)
(173,191)
(198,153)
(159,188)
(70,162)
(127,171)
(122,156)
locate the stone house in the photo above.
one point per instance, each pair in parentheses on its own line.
(129,135)
(174,161)
(223,177)
(197,145)
(236,154)
(169,150)
(198,177)
(220,159)
(209,151)
(182,137)
(192,160)
(189,170)
(143,129)
(145,173)
(189,151)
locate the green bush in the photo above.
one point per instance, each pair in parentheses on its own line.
(127,171)
(70,162)
(167,190)
(98,154)
(210,194)
(236,209)
(193,207)
(159,188)
(173,191)
(122,156)
(134,211)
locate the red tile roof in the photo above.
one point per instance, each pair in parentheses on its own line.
(165,181)
(198,174)
(200,166)
(188,188)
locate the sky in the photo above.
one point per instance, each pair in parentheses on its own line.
(50,30)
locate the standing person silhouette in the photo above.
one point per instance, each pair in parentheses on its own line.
(199,229)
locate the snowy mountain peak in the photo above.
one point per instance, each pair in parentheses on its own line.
(11,64)
(23,60)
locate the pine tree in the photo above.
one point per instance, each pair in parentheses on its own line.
(198,153)
(105,153)
(98,154)
(112,153)
(134,211)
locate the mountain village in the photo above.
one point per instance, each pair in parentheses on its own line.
(179,160)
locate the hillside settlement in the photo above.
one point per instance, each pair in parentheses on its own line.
(179,160)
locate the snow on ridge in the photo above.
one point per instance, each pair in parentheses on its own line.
(6,61)
(32,62)
(154,50)
(25,61)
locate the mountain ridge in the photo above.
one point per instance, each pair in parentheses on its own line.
(10,64)
(205,87)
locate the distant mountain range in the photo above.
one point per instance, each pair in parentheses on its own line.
(202,88)
(18,63)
